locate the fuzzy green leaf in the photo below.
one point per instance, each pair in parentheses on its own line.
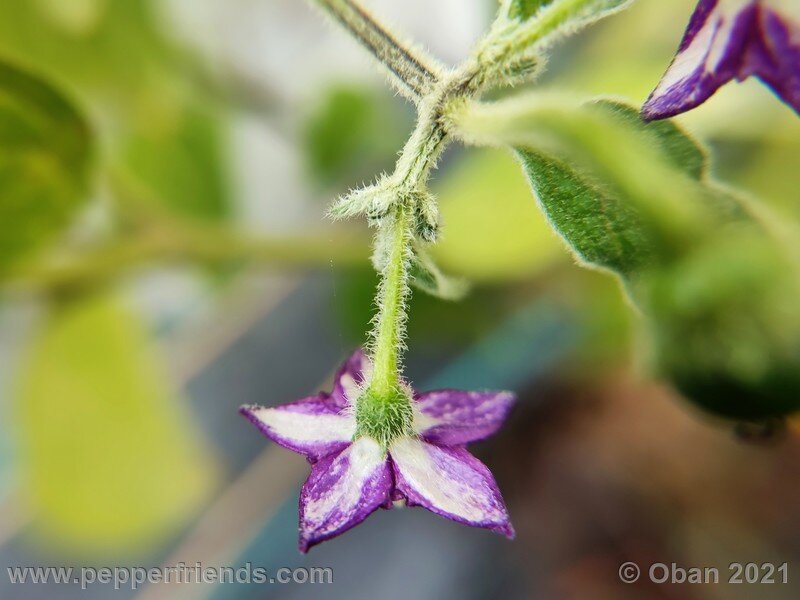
(600,227)
(657,171)
(44,163)
(721,307)
(542,23)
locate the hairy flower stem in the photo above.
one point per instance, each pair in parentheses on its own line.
(397,229)
(393,293)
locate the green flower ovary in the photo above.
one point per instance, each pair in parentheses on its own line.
(384,417)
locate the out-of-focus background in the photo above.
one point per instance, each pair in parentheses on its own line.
(197,273)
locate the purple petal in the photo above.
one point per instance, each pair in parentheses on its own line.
(450,482)
(342,491)
(346,384)
(312,426)
(454,417)
(774,55)
(709,56)
(729,39)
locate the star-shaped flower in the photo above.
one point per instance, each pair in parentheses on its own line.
(353,474)
(732,39)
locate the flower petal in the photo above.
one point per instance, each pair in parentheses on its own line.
(342,491)
(710,55)
(450,482)
(347,383)
(312,426)
(455,417)
(774,56)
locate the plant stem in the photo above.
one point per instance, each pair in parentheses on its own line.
(392,296)
(206,245)
(394,240)
(414,73)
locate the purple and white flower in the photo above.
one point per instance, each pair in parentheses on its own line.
(732,39)
(352,476)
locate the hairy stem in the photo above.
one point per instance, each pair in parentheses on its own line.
(414,73)
(431,135)
(392,297)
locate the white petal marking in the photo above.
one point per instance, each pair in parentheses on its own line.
(431,482)
(304,427)
(707,48)
(361,460)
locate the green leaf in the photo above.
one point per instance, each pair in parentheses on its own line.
(77,16)
(183,163)
(516,47)
(112,460)
(353,134)
(599,226)
(44,163)
(726,324)
(683,151)
(114,50)
(427,277)
(721,307)
(553,21)
(654,170)
(524,9)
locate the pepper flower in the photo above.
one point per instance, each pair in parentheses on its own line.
(732,39)
(355,471)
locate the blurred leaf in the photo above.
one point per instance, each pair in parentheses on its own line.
(151,107)
(602,229)
(117,52)
(44,163)
(492,231)
(683,151)
(524,9)
(353,134)
(721,306)
(76,16)
(641,189)
(726,324)
(647,165)
(604,320)
(113,462)
(426,276)
(183,163)
(555,19)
